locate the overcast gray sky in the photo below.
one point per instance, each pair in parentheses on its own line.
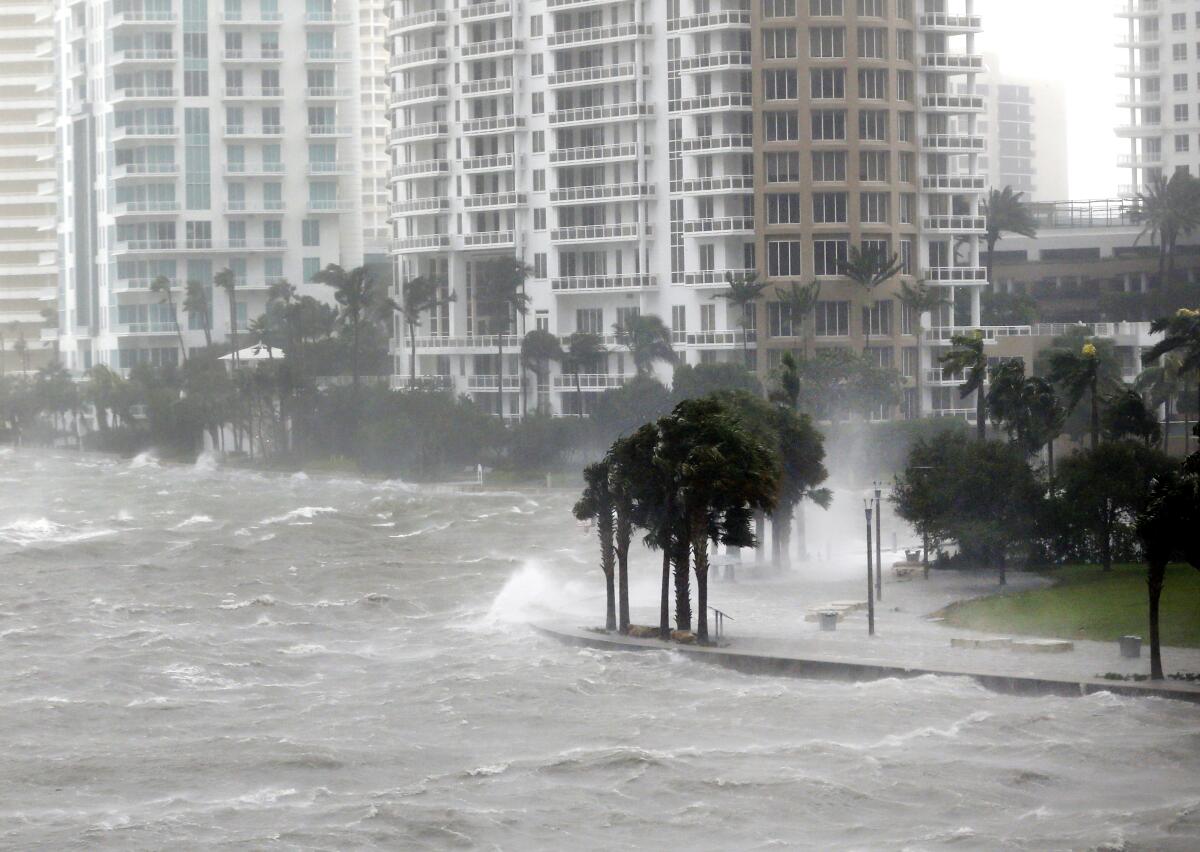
(1071,41)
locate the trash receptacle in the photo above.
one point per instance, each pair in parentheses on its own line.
(1131,646)
(829,619)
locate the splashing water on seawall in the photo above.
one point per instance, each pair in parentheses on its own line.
(170,683)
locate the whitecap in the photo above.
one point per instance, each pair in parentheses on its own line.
(193,521)
(306,512)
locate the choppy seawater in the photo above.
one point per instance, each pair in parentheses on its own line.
(197,658)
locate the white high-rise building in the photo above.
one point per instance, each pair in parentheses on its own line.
(1158,85)
(198,136)
(28,200)
(374,96)
(632,153)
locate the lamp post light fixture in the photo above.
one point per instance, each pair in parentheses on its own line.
(878,541)
(870,582)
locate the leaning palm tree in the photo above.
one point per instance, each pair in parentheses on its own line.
(920,299)
(583,349)
(869,268)
(501,295)
(1005,213)
(227,281)
(358,299)
(801,301)
(1162,383)
(596,504)
(1080,373)
(743,292)
(197,303)
(165,288)
(538,348)
(967,357)
(648,340)
(1169,209)
(1181,334)
(418,296)
(1027,408)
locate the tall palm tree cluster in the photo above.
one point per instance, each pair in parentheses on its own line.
(695,478)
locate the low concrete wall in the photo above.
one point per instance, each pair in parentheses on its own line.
(843,670)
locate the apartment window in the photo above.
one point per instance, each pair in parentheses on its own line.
(828,125)
(678,317)
(535,25)
(539,263)
(873,166)
(708,257)
(872,8)
(826,8)
(310,266)
(708,317)
(780,85)
(908,209)
(1180,82)
(782,166)
(779,320)
(539,180)
(904,162)
(779,8)
(310,232)
(908,126)
(827,83)
(589,320)
(1181,112)
(832,319)
(877,318)
(906,253)
(198,187)
(539,218)
(779,44)
(829,166)
(783,208)
(829,255)
(539,141)
(873,84)
(827,42)
(829,208)
(1179,52)
(1182,142)
(536,65)
(781,126)
(539,103)
(873,125)
(872,43)
(904,45)
(1179,22)
(873,207)
(783,258)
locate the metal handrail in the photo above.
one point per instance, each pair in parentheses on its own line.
(719,625)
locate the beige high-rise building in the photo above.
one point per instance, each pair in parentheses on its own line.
(28,202)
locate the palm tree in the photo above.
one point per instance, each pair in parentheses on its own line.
(596,504)
(1126,415)
(1163,527)
(648,339)
(538,348)
(869,268)
(260,332)
(1079,373)
(788,376)
(164,287)
(1169,209)
(743,292)
(500,295)
(21,347)
(801,301)
(1006,213)
(583,349)
(198,304)
(1162,383)
(1181,334)
(356,294)
(967,357)
(1027,408)
(101,391)
(227,281)
(417,296)
(920,299)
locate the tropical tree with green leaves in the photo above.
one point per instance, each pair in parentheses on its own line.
(1126,415)
(198,303)
(919,299)
(1005,213)
(164,288)
(788,383)
(538,348)
(1169,208)
(1181,336)
(419,296)
(596,505)
(967,357)
(1162,384)
(648,339)
(744,291)
(799,301)
(1166,528)
(501,297)
(227,281)
(1082,373)
(359,302)
(583,350)
(870,268)
(1027,408)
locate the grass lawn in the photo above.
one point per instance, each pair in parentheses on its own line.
(1086,603)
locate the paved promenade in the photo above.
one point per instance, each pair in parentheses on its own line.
(769,626)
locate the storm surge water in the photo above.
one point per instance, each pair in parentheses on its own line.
(193,657)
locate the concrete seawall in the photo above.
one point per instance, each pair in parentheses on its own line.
(844,670)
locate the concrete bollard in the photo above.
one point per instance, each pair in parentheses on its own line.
(1131,647)
(829,620)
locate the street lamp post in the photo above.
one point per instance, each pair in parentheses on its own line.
(878,542)
(870,581)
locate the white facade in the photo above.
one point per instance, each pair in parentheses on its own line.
(373,99)
(1159,84)
(197,136)
(28,200)
(612,148)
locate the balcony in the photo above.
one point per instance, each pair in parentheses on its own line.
(493,47)
(144,56)
(597,154)
(418,21)
(419,206)
(485,382)
(327,93)
(1133,100)
(483,11)
(488,239)
(142,328)
(738,143)
(604,192)
(241,207)
(327,19)
(329,205)
(416,58)
(956,275)
(716,277)
(240,169)
(324,56)
(624,232)
(326,130)
(242,132)
(723,184)
(146,93)
(143,132)
(613,34)
(730,19)
(413,132)
(721,102)
(141,170)
(1138,41)
(241,93)
(953,103)
(730,339)
(1141,69)
(420,94)
(492,124)
(144,17)
(1138,9)
(423,243)
(145,208)
(251,18)
(330,167)
(593,75)
(486,86)
(469,344)
(989,333)
(954,183)
(950,24)
(732,225)
(604,283)
(1144,160)
(1137,131)
(589,382)
(493,201)
(489,163)
(955,224)
(954,143)
(610,112)
(421,168)
(266,56)
(735,59)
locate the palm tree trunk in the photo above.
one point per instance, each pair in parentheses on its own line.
(981,413)
(920,400)
(1095,415)
(700,557)
(412,356)
(604,528)
(1167,426)
(578,392)
(683,591)
(664,603)
(1050,462)
(781,529)
(354,353)
(1154,583)
(500,376)
(624,532)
